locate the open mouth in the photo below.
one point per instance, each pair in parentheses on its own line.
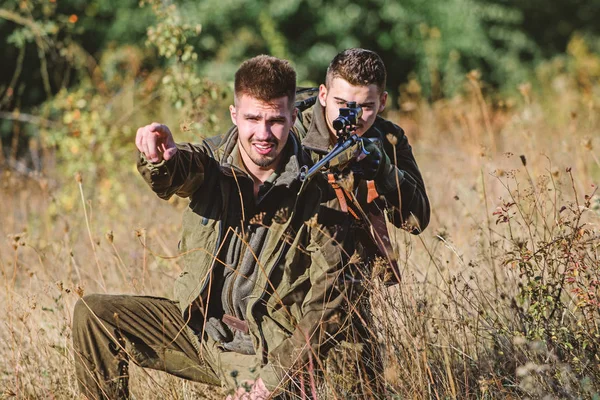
(263,148)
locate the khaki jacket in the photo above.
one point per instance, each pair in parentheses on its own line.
(299,299)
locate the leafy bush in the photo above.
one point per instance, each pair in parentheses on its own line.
(99,116)
(552,251)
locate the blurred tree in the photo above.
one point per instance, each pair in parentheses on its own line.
(46,43)
(552,24)
(38,34)
(49,44)
(439,40)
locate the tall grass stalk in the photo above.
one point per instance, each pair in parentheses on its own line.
(79,181)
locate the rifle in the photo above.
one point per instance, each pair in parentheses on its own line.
(349,145)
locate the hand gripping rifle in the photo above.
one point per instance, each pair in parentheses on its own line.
(348,145)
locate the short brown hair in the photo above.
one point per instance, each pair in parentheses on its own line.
(266,78)
(360,67)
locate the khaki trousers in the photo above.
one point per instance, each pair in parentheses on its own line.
(110,330)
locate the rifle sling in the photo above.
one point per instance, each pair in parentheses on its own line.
(341,195)
(377,223)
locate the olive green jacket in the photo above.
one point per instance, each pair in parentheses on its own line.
(299,296)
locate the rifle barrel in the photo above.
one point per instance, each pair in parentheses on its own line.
(307,173)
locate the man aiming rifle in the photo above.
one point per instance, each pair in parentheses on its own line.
(387,182)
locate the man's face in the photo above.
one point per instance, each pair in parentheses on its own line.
(263,129)
(340,92)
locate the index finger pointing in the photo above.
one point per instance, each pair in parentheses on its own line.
(160,128)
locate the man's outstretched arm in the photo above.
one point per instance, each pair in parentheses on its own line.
(169,168)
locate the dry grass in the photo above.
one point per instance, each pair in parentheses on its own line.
(47,261)
(451,329)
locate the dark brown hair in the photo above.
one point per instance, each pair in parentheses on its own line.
(266,78)
(360,67)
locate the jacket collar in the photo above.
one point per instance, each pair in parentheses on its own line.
(317,136)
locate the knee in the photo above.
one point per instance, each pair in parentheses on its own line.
(87,307)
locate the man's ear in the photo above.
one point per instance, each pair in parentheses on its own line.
(233,114)
(382,101)
(322,94)
(294,115)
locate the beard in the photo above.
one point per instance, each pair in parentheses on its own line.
(264,160)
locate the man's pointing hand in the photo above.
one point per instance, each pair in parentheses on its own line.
(155,142)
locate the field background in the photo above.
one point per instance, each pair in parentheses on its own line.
(500,101)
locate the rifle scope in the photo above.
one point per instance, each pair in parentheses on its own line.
(348,117)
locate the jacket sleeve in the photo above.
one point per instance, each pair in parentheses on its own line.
(181,175)
(324,313)
(403,170)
